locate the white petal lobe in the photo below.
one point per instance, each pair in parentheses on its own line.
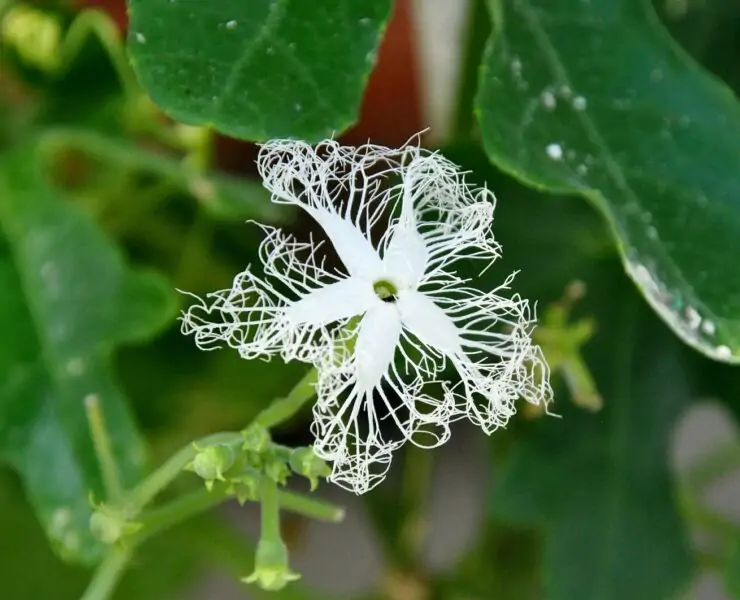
(336,301)
(376,343)
(428,322)
(354,249)
(406,255)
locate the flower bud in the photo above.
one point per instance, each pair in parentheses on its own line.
(256,438)
(305,462)
(109,524)
(245,485)
(271,570)
(276,469)
(211,462)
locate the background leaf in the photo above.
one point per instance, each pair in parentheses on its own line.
(638,128)
(67,301)
(258,69)
(599,483)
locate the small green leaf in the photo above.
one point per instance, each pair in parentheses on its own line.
(599,484)
(258,69)
(67,300)
(595,98)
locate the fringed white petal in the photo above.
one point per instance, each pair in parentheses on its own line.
(342,188)
(487,338)
(366,409)
(297,309)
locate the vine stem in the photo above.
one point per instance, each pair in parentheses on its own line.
(284,408)
(103,449)
(199,501)
(107,575)
(147,490)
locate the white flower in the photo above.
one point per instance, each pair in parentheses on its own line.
(403,344)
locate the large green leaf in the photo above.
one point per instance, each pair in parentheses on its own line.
(593,97)
(67,300)
(599,484)
(257,69)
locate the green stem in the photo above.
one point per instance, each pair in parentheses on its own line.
(99,25)
(147,490)
(283,409)
(310,507)
(269,510)
(159,519)
(124,153)
(107,576)
(280,410)
(103,449)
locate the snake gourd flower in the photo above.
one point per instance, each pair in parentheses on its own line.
(403,344)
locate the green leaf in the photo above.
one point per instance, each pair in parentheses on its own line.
(550,243)
(67,300)
(258,69)
(594,98)
(599,484)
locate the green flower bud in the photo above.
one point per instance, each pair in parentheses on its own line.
(276,469)
(245,485)
(271,570)
(256,438)
(110,524)
(305,462)
(211,462)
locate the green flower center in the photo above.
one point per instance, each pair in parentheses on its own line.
(385,290)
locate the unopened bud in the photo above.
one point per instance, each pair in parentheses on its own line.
(271,570)
(211,462)
(110,524)
(305,462)
(256,438)
(245,485)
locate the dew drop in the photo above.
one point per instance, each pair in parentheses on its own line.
(580,103)
(708,327)
(554,151)
(723,352)
(231,24)
(140,38)
(548,100)
(683,318)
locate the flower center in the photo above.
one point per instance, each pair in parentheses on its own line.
(385,290)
